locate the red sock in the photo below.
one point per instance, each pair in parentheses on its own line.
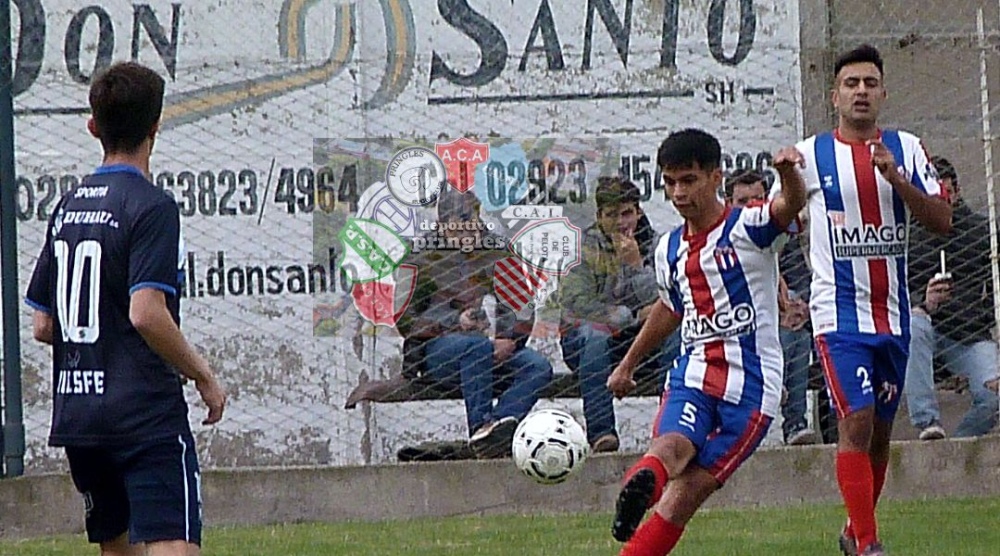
(854,475)
(878,481)
(656,537)
(654,464)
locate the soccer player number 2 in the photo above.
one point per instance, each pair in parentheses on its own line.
(69,290)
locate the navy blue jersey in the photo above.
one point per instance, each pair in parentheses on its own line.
(112,235)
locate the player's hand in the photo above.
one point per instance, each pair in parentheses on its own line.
(787,159)
(620,382)
(883,159)
(214,396)
(937,292)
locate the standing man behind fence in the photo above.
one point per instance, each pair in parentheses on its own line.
(106,296)
(952,316)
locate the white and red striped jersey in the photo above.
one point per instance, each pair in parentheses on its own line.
(723,285)
(858,232)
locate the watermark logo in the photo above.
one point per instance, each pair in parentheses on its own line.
(377,203)
(552,245)
(371,250)
(415,176)
(518,285)
(460,158)
(384,301)
(514,214)
(503,180)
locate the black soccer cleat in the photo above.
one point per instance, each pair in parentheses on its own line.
(632,503)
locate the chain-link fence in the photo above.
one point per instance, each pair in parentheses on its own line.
(327,263)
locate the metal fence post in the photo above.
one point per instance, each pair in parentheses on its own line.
(13,423)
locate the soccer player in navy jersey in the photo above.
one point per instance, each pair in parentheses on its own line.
(106,296)
(863,184)
(718,280)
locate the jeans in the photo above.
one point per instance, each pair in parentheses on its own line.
(796,345)
(586,352)
(977,362)
(466,360)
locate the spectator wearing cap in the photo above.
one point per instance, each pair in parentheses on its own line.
(744,187)
(450,338)
(952,318)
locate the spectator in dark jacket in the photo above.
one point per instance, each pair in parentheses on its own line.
(447,330)
(952,317)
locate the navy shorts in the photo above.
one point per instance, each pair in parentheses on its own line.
(725,434)
(152,490)
(864,370)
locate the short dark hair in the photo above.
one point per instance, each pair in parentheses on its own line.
(746,176)
(859,55)
(615,191)
(126,101)
(685,148)
(944,168)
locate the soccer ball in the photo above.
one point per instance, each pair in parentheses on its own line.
(549,446)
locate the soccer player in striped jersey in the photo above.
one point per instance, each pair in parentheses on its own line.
(718,280)
(863,185)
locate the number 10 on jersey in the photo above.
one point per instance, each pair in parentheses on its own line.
(78,289)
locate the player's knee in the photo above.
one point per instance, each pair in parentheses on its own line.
(855,430)
(675,451)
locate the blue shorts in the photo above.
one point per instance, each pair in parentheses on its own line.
(152,490)
(725,434)
(863,370)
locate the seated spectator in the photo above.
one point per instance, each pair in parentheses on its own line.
(446,331)
(742,188)
(952,317)
(604,301)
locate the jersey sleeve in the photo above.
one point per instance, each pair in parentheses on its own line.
(924,175)
(154,249)
(758,221)
(665,267)
(39,295)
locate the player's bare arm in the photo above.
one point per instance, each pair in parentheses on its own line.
(42,327)
(151,318)
(661,323)
(792,197)
(934,213)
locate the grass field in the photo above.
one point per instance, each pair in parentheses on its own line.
(939,528)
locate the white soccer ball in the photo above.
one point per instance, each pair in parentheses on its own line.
(549,446)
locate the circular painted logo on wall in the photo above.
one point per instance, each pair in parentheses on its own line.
(415,176)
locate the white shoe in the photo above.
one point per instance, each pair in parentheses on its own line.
(932,432)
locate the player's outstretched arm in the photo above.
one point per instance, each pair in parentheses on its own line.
(42,327)
(933,213)
(787,204)
(660,324)
(151,318)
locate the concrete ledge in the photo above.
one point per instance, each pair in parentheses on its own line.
(48,504)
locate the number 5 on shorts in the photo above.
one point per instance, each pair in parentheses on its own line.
(689,415)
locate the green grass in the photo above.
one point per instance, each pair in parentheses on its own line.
(940,528)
